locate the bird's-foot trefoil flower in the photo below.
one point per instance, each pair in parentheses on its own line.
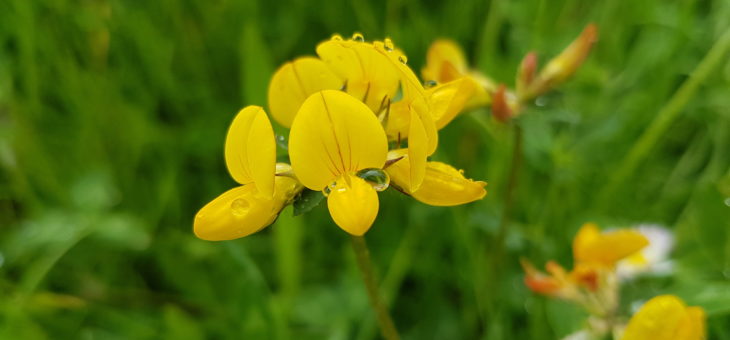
(445,62)
(250,154)
(666,317)
(592,282)
(343,107)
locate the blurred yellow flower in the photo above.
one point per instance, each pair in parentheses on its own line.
(593,247)
(445,62)
(250,153)
(592,282)
(666,317)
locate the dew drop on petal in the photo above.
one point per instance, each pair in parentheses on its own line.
(403,59)
(429,84)
(377,178)
(328,189)
(240,207)
(388,44)
(358,37)
(336,37)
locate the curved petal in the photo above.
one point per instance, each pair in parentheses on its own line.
(370,76)
(240,211)
(442,185)
(353,204)
(294,82)
(417,152)
(250,149)
(334,134)
(658,319)
(607,248)
(449,99)
(445,61)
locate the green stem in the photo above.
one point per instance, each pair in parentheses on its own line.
(511,187)
(498,248)
(387,327)
(667,115)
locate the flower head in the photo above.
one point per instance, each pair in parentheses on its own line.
(342,107)
(666,317)
(592,281)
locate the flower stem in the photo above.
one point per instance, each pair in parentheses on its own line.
(509,195)
(387,328)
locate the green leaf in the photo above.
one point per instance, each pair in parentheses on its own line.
(306,201)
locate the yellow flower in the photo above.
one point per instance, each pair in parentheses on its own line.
(595,254)
(250,153)
(445,62)
(334,136)
(372,73)
(442,184)
(666,317)
(591,246)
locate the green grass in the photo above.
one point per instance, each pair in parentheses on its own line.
(112,121)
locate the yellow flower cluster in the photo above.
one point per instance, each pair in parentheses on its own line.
(350,112)
(594,284)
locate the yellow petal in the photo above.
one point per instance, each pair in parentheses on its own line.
(414,95)
(369,75)
(241,211)
(353,204)
(398,121)
(417,152)
(445,62)
(251,149)
(592,246)
(294,81)
(693,325)
(449,99)
(442,184)
(334,134)
(665,317)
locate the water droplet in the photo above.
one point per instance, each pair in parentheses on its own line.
(430,83)
(336,37)
(377,178)
(388,44)
(282,142)
(403,59)
(727,201)
(240,207)
(358,37)
(328,189)
(540,101)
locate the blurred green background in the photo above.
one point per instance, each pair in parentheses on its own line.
(112,121)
